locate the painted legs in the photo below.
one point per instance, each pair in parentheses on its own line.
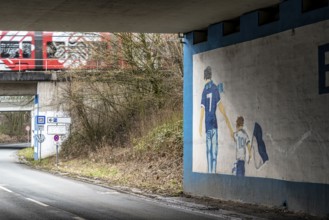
(212,150)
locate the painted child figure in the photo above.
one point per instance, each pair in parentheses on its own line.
(241,142)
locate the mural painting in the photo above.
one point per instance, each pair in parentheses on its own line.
(252,104)
(210,102)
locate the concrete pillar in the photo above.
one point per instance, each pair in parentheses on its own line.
(49,103)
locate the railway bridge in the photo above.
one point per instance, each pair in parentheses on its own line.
(263,64)
(38,92)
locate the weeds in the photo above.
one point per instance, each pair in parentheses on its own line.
(157,169)
(127,126)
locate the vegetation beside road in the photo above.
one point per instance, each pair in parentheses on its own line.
(12,124)
(153,164)
(126,120)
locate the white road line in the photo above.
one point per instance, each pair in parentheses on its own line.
(5,189)
(78,218)
(37,202)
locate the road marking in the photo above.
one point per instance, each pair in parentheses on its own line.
(37,202)
(5,189)
(78,218)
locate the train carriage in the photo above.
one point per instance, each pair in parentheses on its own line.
(31,51)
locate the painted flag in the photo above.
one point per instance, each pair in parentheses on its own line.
(220,88)
(259,147)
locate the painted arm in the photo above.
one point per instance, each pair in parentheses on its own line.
(201,121)
(249,151)
(222,110)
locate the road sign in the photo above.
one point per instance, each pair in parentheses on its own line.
(40,127)
(56,129)
(56,137)
(60,120)
(41,120)
(40,138)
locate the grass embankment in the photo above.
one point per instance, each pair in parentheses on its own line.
(153,164)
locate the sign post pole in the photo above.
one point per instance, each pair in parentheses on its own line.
(56,139)
(57,154)
(40,137)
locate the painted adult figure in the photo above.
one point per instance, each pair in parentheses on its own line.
(210,102)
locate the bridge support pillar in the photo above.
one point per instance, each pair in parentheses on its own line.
(48,103)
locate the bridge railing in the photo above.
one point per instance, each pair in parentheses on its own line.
(47,64)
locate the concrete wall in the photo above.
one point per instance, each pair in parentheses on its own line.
(275,76)
(50,104)
(17,89)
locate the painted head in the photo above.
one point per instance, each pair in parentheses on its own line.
(207,73)
(239,122)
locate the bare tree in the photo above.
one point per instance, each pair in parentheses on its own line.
(143,77)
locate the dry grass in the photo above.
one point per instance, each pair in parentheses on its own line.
(153,165)
(4,138)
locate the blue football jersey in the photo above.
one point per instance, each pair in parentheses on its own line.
(209,101)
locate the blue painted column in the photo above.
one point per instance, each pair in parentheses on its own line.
(188,109)
(36,130)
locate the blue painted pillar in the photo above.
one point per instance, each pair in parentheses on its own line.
(188,108)
(36,130)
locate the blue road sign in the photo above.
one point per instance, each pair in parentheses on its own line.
(40,119)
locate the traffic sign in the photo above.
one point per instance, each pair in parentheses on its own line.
(41,120)
(56,129)
(40,138)
(56,137)
(27,128)
(61,120)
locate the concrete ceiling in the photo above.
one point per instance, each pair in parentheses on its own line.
(153,16)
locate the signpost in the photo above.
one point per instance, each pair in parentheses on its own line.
(58,125)
(58,120)
(40,138)
(56,129)
(52,126)
(40,122)
(56,139)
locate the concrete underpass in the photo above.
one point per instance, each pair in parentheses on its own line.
(268,63)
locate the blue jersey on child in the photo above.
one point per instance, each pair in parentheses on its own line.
(209,101)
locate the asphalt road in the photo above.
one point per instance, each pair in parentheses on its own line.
(30,194)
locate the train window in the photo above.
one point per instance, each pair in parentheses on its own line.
(9,49)
(55,49)
(26,49)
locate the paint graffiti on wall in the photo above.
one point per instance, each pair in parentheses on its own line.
(270,92)
(256,148)
(210,102)
(323,68)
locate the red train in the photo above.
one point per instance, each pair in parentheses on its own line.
(30,51)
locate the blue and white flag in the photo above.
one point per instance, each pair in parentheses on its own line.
(259,147)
